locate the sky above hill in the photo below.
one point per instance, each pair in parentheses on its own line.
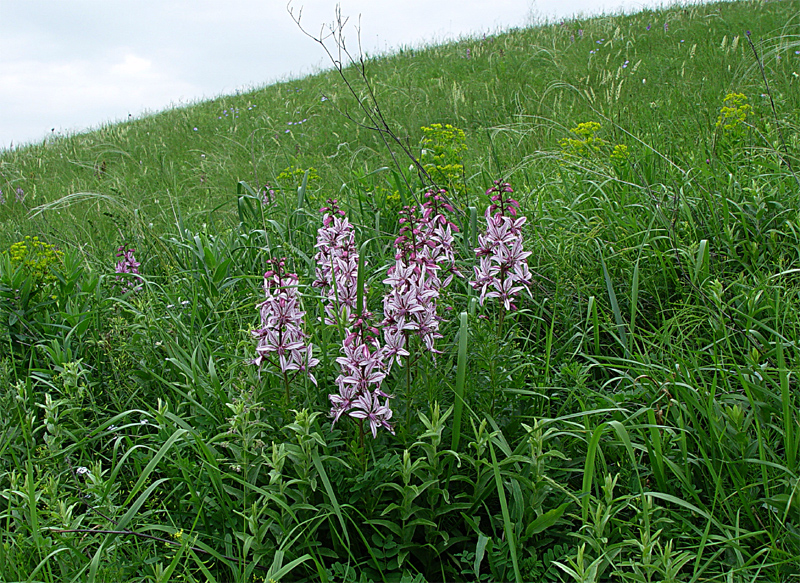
(66,66)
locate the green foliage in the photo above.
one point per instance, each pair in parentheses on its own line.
(36,258)
(292,177)
(734,112)
(443,149)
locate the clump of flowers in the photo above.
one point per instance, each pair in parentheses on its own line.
(267,194)
(337,265)
(362,362)
(36,258)
(281,340)
(293,176)
(424,246)
(127,269)
(619,154)
(409,307)
(438,238)
(503,268)
(734,112)
(585,142)
(363,370)
(443,148)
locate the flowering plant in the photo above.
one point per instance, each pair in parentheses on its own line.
(281,339)
(503,268)
(362,361)
(363,371)
(425,241)
(337,265)
(128,265)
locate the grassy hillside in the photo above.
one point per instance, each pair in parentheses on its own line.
(632,417)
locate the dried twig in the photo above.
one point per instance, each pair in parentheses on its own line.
(369,105)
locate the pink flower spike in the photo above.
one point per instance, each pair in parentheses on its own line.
(502,271)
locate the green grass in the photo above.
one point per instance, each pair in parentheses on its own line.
(635,420)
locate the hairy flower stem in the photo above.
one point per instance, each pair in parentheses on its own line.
(502,312)
(361,446)
(408,391)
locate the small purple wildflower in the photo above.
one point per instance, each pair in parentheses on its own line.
(267,195)
(625,64)
(128,265)
(2,197)
(195,129)
(666,27)
(580,33)
(648,27)
(20,195)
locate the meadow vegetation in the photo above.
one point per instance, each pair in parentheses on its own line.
(622,405)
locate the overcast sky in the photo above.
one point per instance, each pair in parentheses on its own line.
(70,65)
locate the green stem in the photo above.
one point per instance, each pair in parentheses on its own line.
(408,387)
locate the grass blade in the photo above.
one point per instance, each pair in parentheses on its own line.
(612,298)
(331,494)
(588,469)
(508,527)
(153,463)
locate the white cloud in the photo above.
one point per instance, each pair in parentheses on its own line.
(37,96)
(131,66)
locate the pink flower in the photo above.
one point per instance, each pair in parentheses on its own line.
(128,265)
(363,371)
(502,271)
(362,361)
(368,407)
(337,266)
(424,250)
(281,334)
